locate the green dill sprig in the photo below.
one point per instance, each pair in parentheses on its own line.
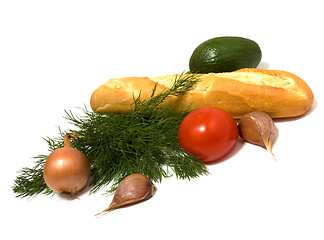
(143,141)
(182,84)
(30,182)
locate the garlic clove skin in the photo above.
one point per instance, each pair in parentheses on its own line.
(258,128)
(133,189)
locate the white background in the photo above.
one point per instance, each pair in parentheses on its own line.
(54,54)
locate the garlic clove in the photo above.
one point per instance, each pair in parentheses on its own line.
(133,189)
(258,128)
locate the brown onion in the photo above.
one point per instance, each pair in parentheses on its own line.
(66,169)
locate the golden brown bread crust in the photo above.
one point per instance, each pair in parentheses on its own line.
(116,95)
(279,93)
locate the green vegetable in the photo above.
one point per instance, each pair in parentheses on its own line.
(225,54)
(144,141)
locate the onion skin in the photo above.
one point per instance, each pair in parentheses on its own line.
(66,171)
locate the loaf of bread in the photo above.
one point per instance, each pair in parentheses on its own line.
(279,93)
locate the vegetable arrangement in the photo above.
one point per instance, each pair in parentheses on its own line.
(130,151)
(144,141)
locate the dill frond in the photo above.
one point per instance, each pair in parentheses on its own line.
(143,141)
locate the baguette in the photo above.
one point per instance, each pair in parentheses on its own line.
(278,93)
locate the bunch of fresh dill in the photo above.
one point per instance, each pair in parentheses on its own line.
(143,141)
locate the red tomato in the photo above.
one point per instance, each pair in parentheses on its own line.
(208,133)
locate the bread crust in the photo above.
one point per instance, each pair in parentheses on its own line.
(279,93)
